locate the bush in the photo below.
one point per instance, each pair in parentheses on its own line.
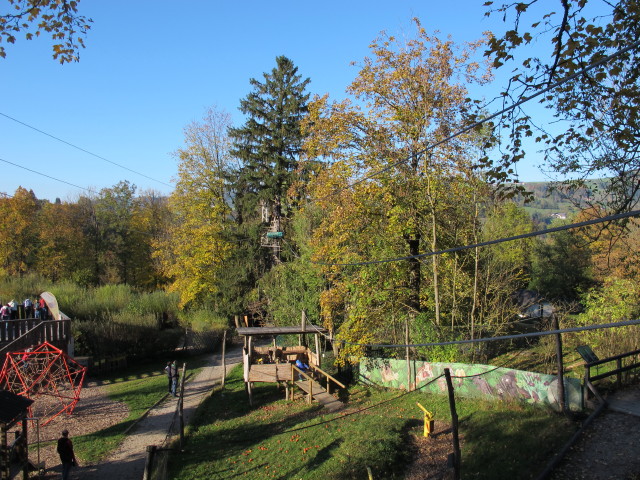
(19,288)
(202,320)
(617,300)
(113,338)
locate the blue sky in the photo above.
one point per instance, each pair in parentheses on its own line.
(152,67)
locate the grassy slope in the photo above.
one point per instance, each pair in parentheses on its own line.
(284,440)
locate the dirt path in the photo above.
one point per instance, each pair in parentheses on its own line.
(608,448)
(128,461)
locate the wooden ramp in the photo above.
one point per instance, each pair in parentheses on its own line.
(624,401)
(331,403)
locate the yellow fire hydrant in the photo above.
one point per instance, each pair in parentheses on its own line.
(428,420)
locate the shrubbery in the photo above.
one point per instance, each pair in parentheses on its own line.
(114,320)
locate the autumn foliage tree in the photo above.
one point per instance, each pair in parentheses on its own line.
(408,98)
(194,250)
(595,112)
(58,18)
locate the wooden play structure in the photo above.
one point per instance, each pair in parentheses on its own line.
(13,411)
(276,364)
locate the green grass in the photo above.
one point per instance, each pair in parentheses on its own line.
(139,387)
(285,440)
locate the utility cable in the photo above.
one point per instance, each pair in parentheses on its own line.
(364,409)
(625,323)
(522,101)
(570,226)
(45,175)
(84,150)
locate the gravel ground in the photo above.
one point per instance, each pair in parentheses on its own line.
(608,448)
(95,411)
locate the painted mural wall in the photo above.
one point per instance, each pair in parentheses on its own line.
(473,381)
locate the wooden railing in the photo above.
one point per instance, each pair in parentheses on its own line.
(617,371)
(310,379)
(329,377)
(18,335)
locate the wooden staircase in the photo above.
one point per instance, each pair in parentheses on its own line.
(318,393)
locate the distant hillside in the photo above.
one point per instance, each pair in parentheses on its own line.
(548,204)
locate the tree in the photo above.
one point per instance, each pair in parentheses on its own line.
(65,252)
(406,98)
(560,266)
(115,209)
(151,219)
(597,113)
(268,146)
(19,237)
(195,249)
(56,17)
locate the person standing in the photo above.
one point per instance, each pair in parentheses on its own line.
(67,457)
(169,375)
(28,308)
(174,378)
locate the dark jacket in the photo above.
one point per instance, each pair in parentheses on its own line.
(65,450)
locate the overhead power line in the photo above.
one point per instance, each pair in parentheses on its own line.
(45,175)
(85,151)
(570,226)
(477,124)
(626,323)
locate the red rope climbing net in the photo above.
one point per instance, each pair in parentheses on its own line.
(46,375)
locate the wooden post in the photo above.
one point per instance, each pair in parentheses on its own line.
(619,374)
(224,364)
(561,399)
(25,451)
(181,404)
(318,354)
(275,351)
(148,464)
(454,426)
(408,359)
(5,453)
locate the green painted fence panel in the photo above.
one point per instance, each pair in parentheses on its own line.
(473,381)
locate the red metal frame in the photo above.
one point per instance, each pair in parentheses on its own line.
(44,371)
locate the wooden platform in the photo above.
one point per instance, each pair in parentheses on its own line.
(329,402)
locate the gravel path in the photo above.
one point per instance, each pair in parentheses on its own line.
(129,460)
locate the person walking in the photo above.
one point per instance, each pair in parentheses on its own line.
(173,371)
(169,375)
(67,457)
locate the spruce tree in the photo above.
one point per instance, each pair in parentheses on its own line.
(267,147)
(269,142)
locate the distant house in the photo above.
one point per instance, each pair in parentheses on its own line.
(560,215)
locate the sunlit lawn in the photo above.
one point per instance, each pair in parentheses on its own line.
(291,440)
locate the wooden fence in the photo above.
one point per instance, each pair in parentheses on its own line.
(18,335)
